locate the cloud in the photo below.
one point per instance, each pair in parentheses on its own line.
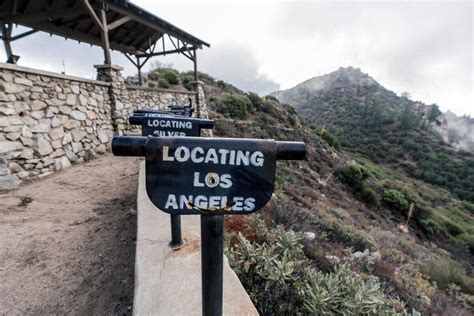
(424,48)
(237,64)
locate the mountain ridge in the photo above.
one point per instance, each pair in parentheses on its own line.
(373,121)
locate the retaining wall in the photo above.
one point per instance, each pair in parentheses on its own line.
(50,120)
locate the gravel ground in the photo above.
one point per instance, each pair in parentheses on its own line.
(68,241)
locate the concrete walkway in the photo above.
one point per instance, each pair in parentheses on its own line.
(168,282)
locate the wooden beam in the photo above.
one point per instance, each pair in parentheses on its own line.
(174,51)
(117,8)
(81,36)
(14,38)
(119,22)
(43,16)
(131,60)
(92,13)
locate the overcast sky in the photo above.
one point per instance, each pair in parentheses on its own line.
(424,48)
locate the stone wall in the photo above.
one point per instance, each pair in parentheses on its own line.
(48,120)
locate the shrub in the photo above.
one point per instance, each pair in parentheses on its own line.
(445,271)
(236,106)
(187,82)
(255,99)
(151,84)
(171,76)
(280,280)
(395,199)
(153,75)
(467,242)
(431,227)
(268,271)
(292,120)
(163,83)
(341,292)
(330,139)
(270,97)
(369,196)
(355,175)
(88,155)
(468,206)
(352,175)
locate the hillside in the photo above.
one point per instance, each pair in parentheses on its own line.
(403,134)
(335,229)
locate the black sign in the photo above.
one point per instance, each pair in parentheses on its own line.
(157,124)
(182,110)
(174,110)
(192,175)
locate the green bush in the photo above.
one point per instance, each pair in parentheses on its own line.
(431,227)
(153,75)
(352,175)
(237,106)
(255,99)
(151,84)
(467,242)
(369,196)
(341,292)
(468,206)
(280,280)
(395,200)
(163,83)
(187,82)
(268,271)
(89,155)
(292,120)
(445,271)
(171,76)
(330,139)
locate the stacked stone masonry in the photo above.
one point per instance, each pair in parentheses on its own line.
(49,121)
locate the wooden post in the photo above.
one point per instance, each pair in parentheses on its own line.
(196,79)
(195,65)
(105,37)
(139,68)
(6,36)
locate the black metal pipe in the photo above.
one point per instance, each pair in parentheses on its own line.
(135,120)
(291,150)
(212,263)
(176,240)
(135,146)
(206,124)
(129,146)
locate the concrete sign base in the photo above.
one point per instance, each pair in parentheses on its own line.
(168,282)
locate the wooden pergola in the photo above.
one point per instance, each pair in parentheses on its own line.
(111,24)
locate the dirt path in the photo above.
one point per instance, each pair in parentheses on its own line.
(67,242)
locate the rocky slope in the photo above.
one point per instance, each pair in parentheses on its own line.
(455,130)
(396,131)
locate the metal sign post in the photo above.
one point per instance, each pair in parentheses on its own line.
(159,123)
(210,177)
(212,263)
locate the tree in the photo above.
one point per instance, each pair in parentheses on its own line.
(406,95)
(375,115)
(434,113)
(409,120)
